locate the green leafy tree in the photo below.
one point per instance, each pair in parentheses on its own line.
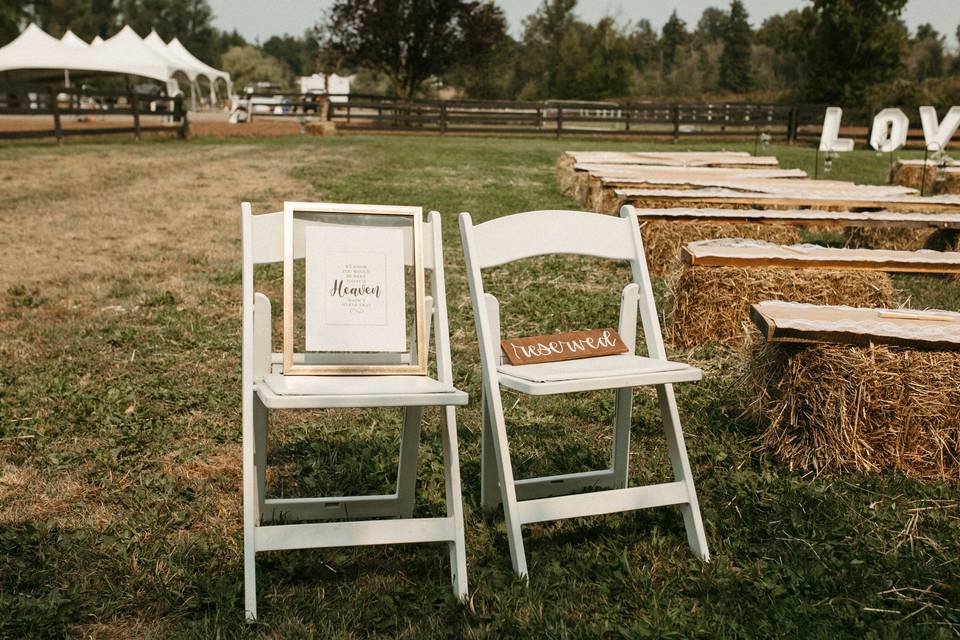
(248,65)
(735,64)
(673,37)
(927,54)
(301,54)
(13,13)
(712,26)
(854,44)
(410,41)
(785,36)
(189,20)
(644,44)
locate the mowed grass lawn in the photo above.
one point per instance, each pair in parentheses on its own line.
(120,497)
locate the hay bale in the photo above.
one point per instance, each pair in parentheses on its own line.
(567,175)
(911,174)
(885,238)
(712,304)
(662,240)
(834,408)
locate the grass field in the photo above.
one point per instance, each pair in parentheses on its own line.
(120,510)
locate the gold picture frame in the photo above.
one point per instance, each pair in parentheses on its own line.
(360,364)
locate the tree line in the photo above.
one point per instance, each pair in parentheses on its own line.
(852,52)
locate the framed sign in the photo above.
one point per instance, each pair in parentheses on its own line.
(353,290)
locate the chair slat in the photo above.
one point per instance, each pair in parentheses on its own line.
(537,233)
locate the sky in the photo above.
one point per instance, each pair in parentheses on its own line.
(264,18)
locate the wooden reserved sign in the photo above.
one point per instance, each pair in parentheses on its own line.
(563,346)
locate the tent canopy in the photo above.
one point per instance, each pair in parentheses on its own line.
(73,40)
(34,52)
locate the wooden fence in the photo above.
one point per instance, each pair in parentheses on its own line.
(87,105)
(358,112)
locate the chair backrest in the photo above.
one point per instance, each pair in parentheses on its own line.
(262,243)
(537,233)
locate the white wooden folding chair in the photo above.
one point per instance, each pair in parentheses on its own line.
(265,387)
(525,501)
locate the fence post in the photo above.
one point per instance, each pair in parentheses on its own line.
(559,121)
(443,118)
(792,125)
(627,110)
(55,110)
(180,115)
(135,108)
(539,116)
(676,122)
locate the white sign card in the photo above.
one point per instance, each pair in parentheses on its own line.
(354,298)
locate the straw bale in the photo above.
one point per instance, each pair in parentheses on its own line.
(885,238)
(662,240)
(911,175)
(568,176)
(840,408)
(712,304)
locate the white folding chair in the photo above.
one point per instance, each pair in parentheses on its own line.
(535,233)
(265,387)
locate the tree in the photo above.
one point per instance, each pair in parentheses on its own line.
(786,37)
(189,20)
(672,37)
(248,65)
(644,44)
(12,15)
(854,44)
(302,54)
(86,18)
(737,39)
(927,54)
(711,26)
(411,41)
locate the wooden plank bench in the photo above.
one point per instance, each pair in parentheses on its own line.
(860,198)
(732,253)
(808,217)
(827,324)
(674,159)
(836,388)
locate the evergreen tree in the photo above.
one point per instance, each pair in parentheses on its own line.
(735,72)
(673,37)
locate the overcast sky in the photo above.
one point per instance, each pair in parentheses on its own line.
(264,18)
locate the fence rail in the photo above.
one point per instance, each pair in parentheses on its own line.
(359,112)
(57,102)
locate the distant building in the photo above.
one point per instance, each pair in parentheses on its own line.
(337,86)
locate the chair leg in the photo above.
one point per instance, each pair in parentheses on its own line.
(621,436)
(696,535)
(451,476)
(508,492)
(407,469)
(249,510)
(261,427)
(489,487)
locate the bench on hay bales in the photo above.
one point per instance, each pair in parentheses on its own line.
(926,175)
(709,297)
(663,239)
(860,198)
(837,388)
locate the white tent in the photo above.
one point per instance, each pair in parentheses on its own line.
(73,40)
(96,40)
(35,50)
(35,54)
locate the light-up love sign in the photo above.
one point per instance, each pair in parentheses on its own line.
(889,130)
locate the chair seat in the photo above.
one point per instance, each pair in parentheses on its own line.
(588,374)
(278,391)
